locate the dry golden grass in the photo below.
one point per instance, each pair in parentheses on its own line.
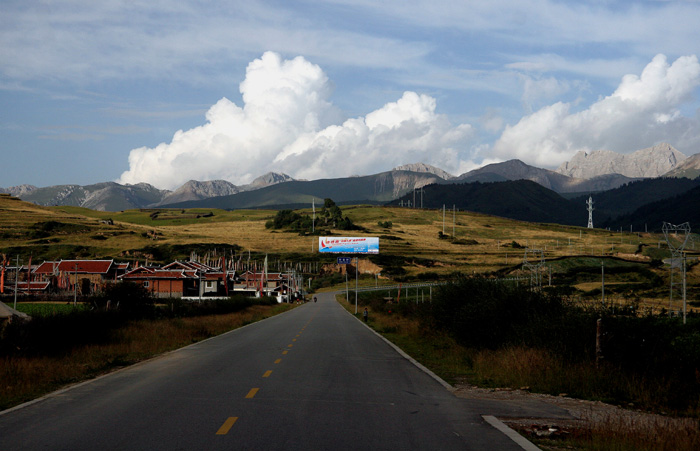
(486,241)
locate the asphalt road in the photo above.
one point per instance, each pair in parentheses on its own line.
(314,378)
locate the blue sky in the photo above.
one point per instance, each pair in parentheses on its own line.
(163,92)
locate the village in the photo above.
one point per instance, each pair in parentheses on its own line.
(188,280)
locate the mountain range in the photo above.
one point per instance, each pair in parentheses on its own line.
(111,196)
(600,172)
(644,204)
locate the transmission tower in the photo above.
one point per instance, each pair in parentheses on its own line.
(589,203)
(677,237)
(534,262)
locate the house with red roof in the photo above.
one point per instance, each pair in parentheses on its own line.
(89,275)
(45,271)
(166,283)
(35,286)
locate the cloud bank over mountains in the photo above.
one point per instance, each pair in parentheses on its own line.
(287,124)
(642,111)
(282,127)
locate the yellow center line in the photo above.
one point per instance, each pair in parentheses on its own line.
(284,352)
(267,373)
(252,393)
(289,346)
(223,430)
(278,360)
(294,339)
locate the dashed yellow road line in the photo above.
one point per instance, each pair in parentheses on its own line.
(278,360)
(267,373)
(290,345)
(284,352)
(294,339)
(252,393)
(228,424)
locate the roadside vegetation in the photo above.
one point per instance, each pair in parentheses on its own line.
(64,344)
(489,334)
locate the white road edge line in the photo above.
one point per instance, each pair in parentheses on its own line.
(517,438)
(404,355)
(493,421)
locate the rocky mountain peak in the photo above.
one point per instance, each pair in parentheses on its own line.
(271,178)
(650,162)
(425,168)
(196,190)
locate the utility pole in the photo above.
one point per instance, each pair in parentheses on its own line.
(684,274)
(16,279)
(75,285)
(602,274)
(357,271)
(443,219)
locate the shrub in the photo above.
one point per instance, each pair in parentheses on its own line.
(130,298)
(483,313)
(57,334)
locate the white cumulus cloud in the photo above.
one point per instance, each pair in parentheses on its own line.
(642,111)
(282,127)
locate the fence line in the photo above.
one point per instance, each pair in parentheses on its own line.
(430,284)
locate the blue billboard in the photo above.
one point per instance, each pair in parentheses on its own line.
(348,245)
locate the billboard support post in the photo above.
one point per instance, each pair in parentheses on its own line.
(357,270)
(351,245)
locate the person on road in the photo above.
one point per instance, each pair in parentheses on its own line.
(365,314)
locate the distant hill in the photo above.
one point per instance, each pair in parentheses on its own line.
(517,170)
(617,202)
(524,200)
(381,187)
(650,162)
(676,210)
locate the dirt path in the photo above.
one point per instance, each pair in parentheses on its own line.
(586,415)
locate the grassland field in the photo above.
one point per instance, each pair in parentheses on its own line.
(424,241)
